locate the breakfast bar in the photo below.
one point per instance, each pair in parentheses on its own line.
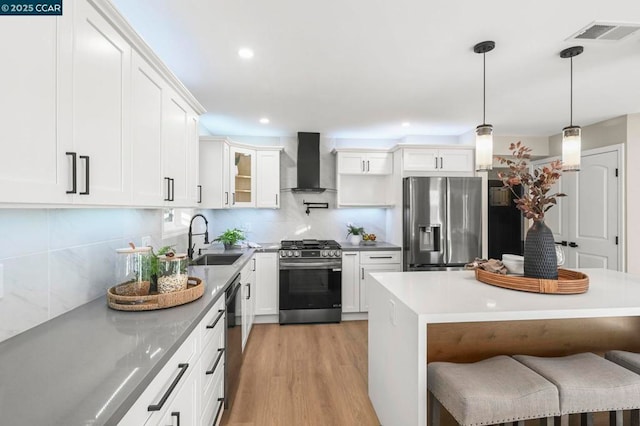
(419,317)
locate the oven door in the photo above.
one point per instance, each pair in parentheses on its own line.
(310,285)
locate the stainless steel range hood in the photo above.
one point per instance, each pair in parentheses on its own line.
(308,163)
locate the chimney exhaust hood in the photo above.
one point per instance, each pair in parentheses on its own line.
(308,163)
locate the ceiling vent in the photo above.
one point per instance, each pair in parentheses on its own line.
(607,31)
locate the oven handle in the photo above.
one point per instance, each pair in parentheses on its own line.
(335,266)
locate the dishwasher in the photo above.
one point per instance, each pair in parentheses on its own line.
(233,360)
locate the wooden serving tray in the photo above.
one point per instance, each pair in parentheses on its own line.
(194,290)
(568,282)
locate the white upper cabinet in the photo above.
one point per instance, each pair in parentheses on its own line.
(375,163)
(33,164)
(438,159)
(147,106)
(235,175)
(268,179)
(99,109)
(243,177)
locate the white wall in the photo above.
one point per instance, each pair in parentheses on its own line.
(54,260)
(633,201)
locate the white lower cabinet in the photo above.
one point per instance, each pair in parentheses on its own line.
(356,270)
(189,389)
(248,280)
(266,283)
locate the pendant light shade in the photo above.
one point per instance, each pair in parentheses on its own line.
(484,132)
(571,135)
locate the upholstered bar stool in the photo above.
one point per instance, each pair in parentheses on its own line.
(588,384)
(492,391)
(630,361)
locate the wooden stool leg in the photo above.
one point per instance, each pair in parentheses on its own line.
(434,406)
(586,419)
(615,418)
(635,417)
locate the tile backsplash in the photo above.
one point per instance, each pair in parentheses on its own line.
(54,260)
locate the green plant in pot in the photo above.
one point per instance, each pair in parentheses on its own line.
(230,237)
(354,233)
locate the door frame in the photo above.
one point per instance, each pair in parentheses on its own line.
(622,229)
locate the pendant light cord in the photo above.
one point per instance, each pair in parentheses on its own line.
(484,88)
(571,96)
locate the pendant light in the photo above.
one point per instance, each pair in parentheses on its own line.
(571,135)
(484,132)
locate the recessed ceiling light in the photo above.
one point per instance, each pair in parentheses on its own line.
(264,120)
(406,124)
(245,53)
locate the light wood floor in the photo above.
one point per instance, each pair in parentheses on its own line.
(304,375)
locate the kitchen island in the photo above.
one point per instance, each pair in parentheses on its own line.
(419,317)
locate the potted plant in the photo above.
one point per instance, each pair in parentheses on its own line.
(539,248)
(354,233)
(230,237)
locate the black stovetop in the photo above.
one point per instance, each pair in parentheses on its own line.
(309,244)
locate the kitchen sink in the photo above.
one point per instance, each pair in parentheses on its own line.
(216,259)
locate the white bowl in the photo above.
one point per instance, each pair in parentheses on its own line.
(514,263)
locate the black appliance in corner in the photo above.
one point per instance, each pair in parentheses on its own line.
(233,354)
(505,223)
(310,282)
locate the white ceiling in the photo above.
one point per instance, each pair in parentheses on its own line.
(359,68)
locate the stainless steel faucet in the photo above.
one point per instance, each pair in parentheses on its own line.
(191,248)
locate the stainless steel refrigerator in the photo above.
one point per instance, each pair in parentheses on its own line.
(442,222)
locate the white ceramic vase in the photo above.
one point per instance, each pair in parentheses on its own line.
(355,239)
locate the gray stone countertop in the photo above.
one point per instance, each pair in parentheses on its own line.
(379,246)
(89,365)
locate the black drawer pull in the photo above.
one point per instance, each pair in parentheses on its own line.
(176,414)
(381,257)
(86,175)
(199,194)
(215,364)
(158,406)
(173,189)
(217,318)
(74,173)
(221,401)
(168,189)
(226,198)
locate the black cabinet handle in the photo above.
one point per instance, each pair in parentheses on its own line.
(173,189)
(572,244)
(217,318)
(176,414)
(226,198)
(368,169)
(436,162)
(158,406)
(349,254)
(199,194)
(441,163)
(276,199)
(249,290)
(168,189)
(221,401)
(74,173)
(215,364)
(363,167)
(381,257)
(562,243)
(233,196)
(254,264)
(86,175)
(362,273)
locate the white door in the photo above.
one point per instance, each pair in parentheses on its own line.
(416,159)
(379,163)
(175,151)
(101,114)
(593,233)
(194,190)
(33,164)
(146,149)
(351,163)
(268,179)
(266,288)
(456,160)
(243,177)
(350,282)
(226,167)
(365,280)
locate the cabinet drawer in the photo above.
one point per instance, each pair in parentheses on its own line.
(165,385)
(212,364)
(213,404)
(213,323)
(379,257)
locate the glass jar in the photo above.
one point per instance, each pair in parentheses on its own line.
(133,271)
(172,273)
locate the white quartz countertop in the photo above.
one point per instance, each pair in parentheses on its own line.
(456,296)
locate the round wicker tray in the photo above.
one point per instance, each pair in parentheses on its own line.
(194,290)
(568,282)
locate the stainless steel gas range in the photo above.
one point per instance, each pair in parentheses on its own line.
(310,281)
